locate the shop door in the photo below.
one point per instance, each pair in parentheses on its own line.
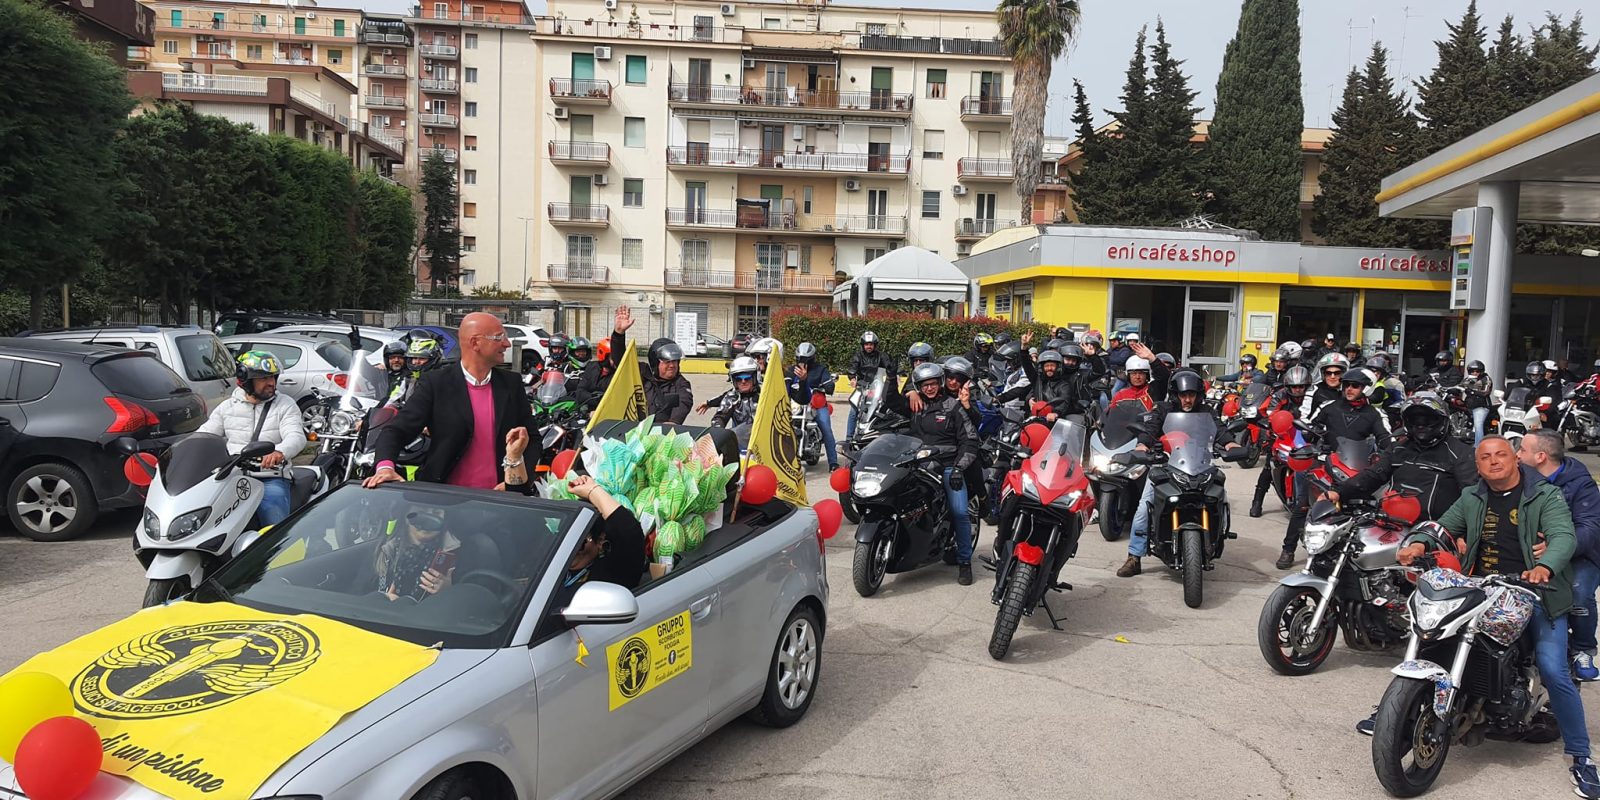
(1208,338)
(1423,336)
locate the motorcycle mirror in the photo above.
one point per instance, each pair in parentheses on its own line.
(244,541)
(126,445)
(257,449)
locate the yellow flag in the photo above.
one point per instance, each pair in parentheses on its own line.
(207,700)
(772,440)
(624,397)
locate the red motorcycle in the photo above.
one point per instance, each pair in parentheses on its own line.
(1044,506)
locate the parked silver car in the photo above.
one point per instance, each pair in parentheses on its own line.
(194,353)
(507,709)
(307,363)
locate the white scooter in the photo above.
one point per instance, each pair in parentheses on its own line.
(200,501)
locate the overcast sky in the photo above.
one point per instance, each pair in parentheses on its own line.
(1335,35)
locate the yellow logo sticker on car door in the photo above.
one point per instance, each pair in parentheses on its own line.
(649,658)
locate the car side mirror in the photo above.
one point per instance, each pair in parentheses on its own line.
(246,539)
(600,603)
(126,445)
(257,449)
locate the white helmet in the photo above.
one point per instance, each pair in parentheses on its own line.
(761,347)
(1136,364)
(742,365)
(1550,366)
(1291,349)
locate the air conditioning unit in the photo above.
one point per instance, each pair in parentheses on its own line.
(602,54)
(611,5)
(749,63)
(958,190)
(728,9)
(852,185)
(388,51)
(427,131)
(601,179)
(750,123)
(799,132)
(963,248)
(311,15)
(562,113)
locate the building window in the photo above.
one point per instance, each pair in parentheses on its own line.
(805,199)
(755,319)
(470,144)
(877,29)
(930,205)
(469,209)
(472,109)
(1002,303)
(633,192)
(177,19)
(170,46)
(441,10)
(470,177)
(335,56)
(633,254)
(252,52)
(933,145)
(469,277)
(470,75)
(470,41)
(469,244)
(771,24)
(338,27)
(299,26)
(219,20)
(874,253)
(638,69)
(696,256)
(633,132)
(805,259)
(769,265)
(379,120)
(936,83)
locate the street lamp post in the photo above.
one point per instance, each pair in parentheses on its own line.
(525,221)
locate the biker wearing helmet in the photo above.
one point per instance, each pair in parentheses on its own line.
(943,423)
(667,394)
(394,364)
(863,368)
(423,355)
(1290,397)
(1448,373)
(917,354)
(1187,395)
(982,350)
(558,352)
(1147,381)
(595,377)
(255,412)
(1479,389)
(1428,460)
(1331,370)
(1350,417)
(738,407)
(1053,381)
(579,352)
(761,350)
(1352,354)
(810,377)
(1247,371)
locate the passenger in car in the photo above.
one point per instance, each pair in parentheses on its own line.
(613,551)
(418,561)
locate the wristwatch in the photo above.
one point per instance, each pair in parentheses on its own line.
(507,463)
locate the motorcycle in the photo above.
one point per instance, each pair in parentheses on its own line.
(898,488)
(1044,507)
(874,418)
(1468,674)
(1518,412)
(334,422)
(1460,414)
(806,429)
(1248,410)
(558,418)
(1285,463)
(1118,485)
(1580,416)
(200,501)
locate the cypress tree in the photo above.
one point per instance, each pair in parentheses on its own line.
(1449,100)
(1171,193)
(1088,145)
(1110,184)
(1254,163)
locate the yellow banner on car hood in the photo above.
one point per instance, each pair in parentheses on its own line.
(198,700)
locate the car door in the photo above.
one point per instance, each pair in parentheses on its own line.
(293,383)
(603,722)
(11,417)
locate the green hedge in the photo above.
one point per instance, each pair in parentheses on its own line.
(837,337)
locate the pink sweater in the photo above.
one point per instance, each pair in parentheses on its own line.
(477,468)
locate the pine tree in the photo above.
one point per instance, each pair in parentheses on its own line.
(1375,134)
(1088,145)
(1108,186)
(1509,71)
(1169,130)
(1253,164)
(1449,100)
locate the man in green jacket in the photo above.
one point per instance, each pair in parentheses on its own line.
(1513,522)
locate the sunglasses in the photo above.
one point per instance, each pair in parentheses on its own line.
(1333,371)
(425,522)
(493,337)
(749,377)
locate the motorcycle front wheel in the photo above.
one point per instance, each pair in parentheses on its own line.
(162,590)
(1194,565)
(871,563)
(1409,743)
(1110,515)
(1012,606)
(1282,626)
(847,502)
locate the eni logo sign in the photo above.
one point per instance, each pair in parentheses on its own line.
(1414,262)
(1203,254)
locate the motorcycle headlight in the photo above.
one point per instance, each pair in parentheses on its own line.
(551,434)
(1428,613)
(341,423)
(1319,537)
(867,484)
(152,525)
(1250,411)
(366,459)
(188,524)
(1103,463)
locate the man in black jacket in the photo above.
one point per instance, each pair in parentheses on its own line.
(943,423)
(1444,366)
(1429,462)
(868,360)
(596,376)
(667,394)
(1350,417)
(473,413)
(1056,380)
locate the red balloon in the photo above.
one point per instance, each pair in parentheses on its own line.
(819,400)
(1282,422)
(58,759)
(840,480)
(135,473)
(829,515)
(562,463)
(760,485)
(1034,436)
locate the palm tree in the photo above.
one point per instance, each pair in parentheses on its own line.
(1035,33)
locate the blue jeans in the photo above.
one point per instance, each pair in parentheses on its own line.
(1480,417)
(958,517)
(825,422)
(1555,671)
(850,424)
(1139,536)
(1582,619)
(274,503)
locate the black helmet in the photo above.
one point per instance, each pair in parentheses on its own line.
(581,348)
(920,351)
(1351,347)
(1047,356)
(1359,377)
(1093,338)
(1308,346)
(1442,357)
(806,354)
(926,371)
(394,348)
(1476,365)
(558,342)
(1248,360)
(1055,344)
(1166,358)
(1297,376)
(664,350)
(1379,362)
(1002,338)
(1187,381)
(958,367)
(1010,351)
(868,337)
(1073,352)
(1425,418)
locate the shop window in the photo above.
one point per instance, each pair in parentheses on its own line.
(1313,313)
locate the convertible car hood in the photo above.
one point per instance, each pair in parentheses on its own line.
(450,665)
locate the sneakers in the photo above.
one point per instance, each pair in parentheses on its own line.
(964,574)
(1255,509)
(832,467)
(1364,727)
(1129,568)
(1285,559)
(1583,667)
(1585,781)
(1094,516)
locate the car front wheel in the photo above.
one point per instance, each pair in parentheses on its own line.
(455,785)
(796,668)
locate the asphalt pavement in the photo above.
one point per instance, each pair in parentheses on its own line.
(1138,696)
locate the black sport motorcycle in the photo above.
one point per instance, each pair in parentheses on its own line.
(898,487)
(874,418)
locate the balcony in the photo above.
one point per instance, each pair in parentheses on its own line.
(578,215)
(877,103)
(932,45)
(580,91)
(438,86)
(383,101)
(440,51)
(651,31)
(438,120)
(446,153)
(292,61)
(394,143)
(971,230)
(701,156)
(384,70)
(584,153)
(379,37)
(787,280)
(218,84)
(1000,170)
(985,109)
(868,225)
(586,274)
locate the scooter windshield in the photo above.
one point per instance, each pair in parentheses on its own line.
(1060,460)
(1518,398)
(1254,395)
(873,399)
(552,388)
(1118,425)
(1187,437)
(191,461)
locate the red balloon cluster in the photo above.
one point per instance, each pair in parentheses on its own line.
(561,464)
(760,485)
(840,480)
(58,759)
(829,515)
(140,469)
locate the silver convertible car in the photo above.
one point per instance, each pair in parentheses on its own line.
(506,710)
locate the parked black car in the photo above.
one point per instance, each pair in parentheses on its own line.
(60,404)
(234,323)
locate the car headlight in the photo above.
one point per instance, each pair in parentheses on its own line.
(867,484)
(1430,613)
(188,524)
(341,423)
(1318,537)
(152,525)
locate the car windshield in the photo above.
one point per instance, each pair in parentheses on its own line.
(204,357)
(360,555)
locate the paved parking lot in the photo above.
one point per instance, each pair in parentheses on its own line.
(1138,697)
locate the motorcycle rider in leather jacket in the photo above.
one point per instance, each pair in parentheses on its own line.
(863,368)
(1480,391)
(1350,417)
(738,407)
(1291,398)
(1429,461)
(943,422)
(808,377)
